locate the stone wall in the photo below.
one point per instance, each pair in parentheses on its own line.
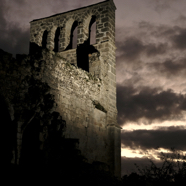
(99,138)
(82,101)
(85,96)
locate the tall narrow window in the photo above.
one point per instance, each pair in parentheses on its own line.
(74,40)
(44,39)
(92,31)
(73,36)
(56,40)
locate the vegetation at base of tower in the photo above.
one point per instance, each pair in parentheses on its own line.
(31,99)
(171,172)
(58,160)
(66,163)
(34,102)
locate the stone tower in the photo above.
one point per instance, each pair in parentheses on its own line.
(81,72)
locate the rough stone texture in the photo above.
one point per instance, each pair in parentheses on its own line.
(86,99)
(76,90)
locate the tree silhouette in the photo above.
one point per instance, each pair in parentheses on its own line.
(171,172)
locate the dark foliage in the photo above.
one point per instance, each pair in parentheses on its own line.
(58,161)
(171,172)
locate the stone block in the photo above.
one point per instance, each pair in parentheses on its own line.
(103,20)
(99,35)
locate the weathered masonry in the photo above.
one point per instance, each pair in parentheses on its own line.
(81,72)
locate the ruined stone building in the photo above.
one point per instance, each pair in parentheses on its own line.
(79,65)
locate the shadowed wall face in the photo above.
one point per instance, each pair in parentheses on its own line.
(7,131)
(30,153)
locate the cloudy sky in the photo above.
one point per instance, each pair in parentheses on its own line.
(151,67)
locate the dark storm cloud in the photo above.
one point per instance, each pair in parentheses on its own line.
(153,139)
(161,6)
(131,48)
(176,35)
(15,40)
(179,39)
(12,37)
(152,49)
(181,19)
(171,128)
(170,67)
(162,31)
(149,103)
(145,24)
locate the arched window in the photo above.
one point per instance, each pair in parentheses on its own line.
(74,39)
(87,48)
(73,36)
(92,31)
(56,40)
(44,39)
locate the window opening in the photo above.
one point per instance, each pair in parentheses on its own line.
(74,40)
(44,39)
(92,31)
(56,40)
(86,49)
(73,36)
